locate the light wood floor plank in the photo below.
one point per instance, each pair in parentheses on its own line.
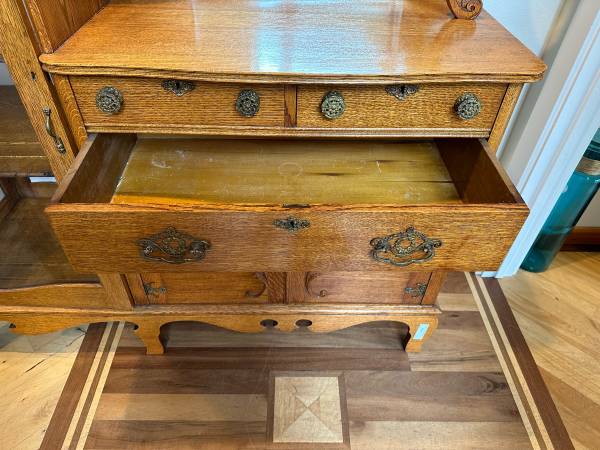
(438,435)
(184,407)
(34,370)
(558,312)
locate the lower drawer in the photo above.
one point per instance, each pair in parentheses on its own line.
(198,288)
(275,287)
(162,205)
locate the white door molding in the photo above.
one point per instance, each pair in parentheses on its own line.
(561,121)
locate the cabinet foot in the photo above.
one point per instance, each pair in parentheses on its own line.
(149,333)
(419,332)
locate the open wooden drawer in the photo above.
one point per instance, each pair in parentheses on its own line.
(133,205)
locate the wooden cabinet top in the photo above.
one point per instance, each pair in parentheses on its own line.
(360,41)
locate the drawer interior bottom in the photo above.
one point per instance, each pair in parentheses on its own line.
(258,172)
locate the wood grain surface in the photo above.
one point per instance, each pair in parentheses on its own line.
(69,104)
(557,310)
(243,235)
(34,86)
(147,103)
(20,150)
(284,172)
(182,288)
(452,393)
(32,256)
(432,106)
(358,41)
(55,21)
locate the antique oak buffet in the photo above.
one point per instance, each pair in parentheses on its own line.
(266,163)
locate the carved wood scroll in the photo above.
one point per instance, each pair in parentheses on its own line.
(465,9)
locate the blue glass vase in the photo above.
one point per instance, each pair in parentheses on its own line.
(580,191)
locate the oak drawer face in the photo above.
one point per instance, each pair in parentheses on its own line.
(426,106)
(248,288)
(363,287)
(176,288)
(144,103)
(157,206)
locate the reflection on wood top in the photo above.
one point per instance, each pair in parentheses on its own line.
(195,171)
(295,40)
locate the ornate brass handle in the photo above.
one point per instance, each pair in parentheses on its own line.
(404,248)
(291,224)
(60,146)
(248,103)
(178,87)
(401,91)
(109,100)
(333,105)
(467,106)
(173,247)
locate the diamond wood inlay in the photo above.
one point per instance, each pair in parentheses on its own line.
(307,409)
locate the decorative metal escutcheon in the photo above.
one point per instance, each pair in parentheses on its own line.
(149,289)
(405,248)
(333,105)
(178,87)
(467,106)
(248,103)
(291,224)
(417,291)
(401,91)
(173,247)
(109,100)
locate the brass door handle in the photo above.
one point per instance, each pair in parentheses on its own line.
(173,247)
(60,146)
(404,248)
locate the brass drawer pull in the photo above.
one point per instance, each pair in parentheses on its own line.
(401,91)
(151,290)
(60,146)
(173,247)
(467,106)
(291,224)
(109,100)
(333,105)
(405,248)
(248,103)
(178,87)
(417,291)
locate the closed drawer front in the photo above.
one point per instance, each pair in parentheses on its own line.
(150,102)
(121,209)
(172,288)
(175,288)
(426,106)
(362,287)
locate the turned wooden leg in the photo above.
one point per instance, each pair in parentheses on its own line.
(149,333)
(419,332)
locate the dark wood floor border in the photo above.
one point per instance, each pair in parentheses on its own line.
(71,393)
(544,404)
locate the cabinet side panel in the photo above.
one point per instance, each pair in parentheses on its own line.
(55,21)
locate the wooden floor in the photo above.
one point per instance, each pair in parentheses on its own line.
(558,312)
(218,389)
(355,388)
